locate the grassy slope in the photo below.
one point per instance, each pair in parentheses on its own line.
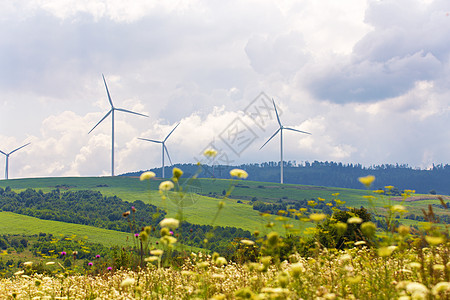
(203,209)
(11,223)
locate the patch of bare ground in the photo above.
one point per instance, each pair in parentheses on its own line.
(422,197)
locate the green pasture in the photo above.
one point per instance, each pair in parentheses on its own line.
(11,223)
(201,209)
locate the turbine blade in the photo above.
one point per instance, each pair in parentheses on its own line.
(107,114)
(3,152)
(107,91)
(18,148)
(154,141)
(270,138)
(167,152)
(276,112)
(296,130)
(131,112)
(171,132)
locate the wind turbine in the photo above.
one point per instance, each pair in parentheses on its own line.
(281,139)
(7,158)
(111,112)
(164,148)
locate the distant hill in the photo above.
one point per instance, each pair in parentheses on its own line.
(331,174)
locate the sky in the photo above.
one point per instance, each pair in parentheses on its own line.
(368,79)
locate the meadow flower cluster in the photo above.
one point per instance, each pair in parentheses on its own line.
(394,262)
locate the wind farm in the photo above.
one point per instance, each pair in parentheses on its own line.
(164,147)
(280,130)
(7,158)
(111,112)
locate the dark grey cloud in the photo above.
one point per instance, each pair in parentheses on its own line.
(409,42)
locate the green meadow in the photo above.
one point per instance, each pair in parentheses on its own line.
(238,212)
(11,223)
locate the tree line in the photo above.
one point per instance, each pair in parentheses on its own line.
(332,174)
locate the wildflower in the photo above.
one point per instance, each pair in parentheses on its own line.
(157,252)
(109,268)
(368,228)
(312,203)
(247,242)
(416,288)
(177,173)
(358,243)
(170,223)
(415,265)
(127,282)
(297,269)
(441,287)
(317,217)
(272,238)
(355,279)
(90,264)
(147,175)
(97,256)
(151,258)
(50,263)
(220,261)
(385,251)
(345,257)
(28,264)
(210,153)
(438,267)
(320,199)
(434,240)
(63,253)
(341,227)
(166,186)
(354,220)
(126,214)
(283,279)
(367,180)
(133,209)
(403,230)
(238,173)
(398,208)
(136,235)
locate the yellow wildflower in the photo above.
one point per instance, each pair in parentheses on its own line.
(166,186)
(210,153)
(317,217)
(238,173)
(367,180)
(147,175)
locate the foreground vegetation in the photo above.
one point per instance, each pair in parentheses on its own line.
(349,253)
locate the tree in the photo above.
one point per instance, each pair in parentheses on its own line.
(334,234)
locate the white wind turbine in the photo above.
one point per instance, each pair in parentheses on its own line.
(164,148)
(111,111)
(281,139)
(7,158)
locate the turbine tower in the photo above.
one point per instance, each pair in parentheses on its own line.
(280,129)
(111,112)
(164,148)
(7,158)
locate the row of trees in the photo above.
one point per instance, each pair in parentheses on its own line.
(94,209)
(332,174)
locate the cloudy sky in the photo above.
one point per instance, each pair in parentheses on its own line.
(369,79)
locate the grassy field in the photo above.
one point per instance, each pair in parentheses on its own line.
(11,223)
(200,209)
